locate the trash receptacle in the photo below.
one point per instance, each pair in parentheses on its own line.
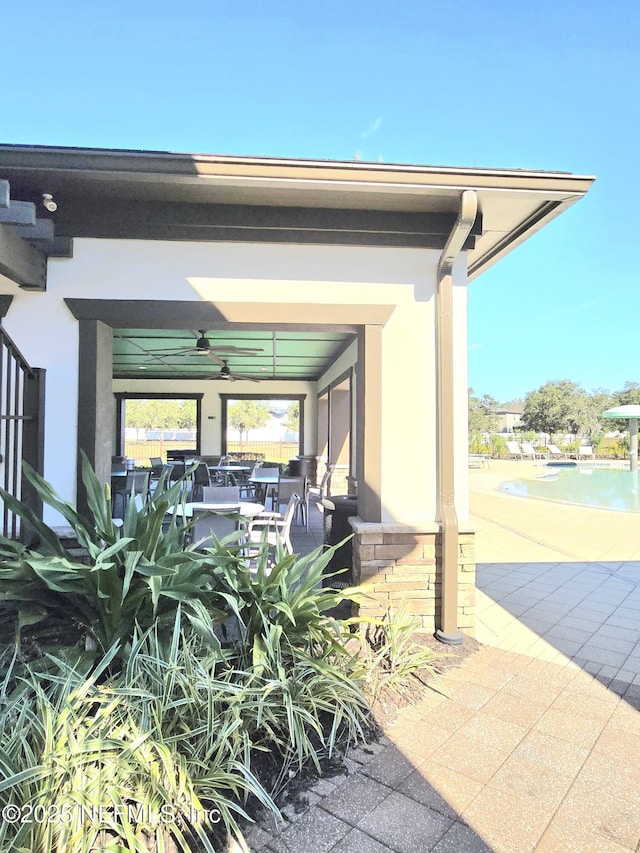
(337,510)
(304,466)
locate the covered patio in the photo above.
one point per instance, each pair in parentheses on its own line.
(378,253)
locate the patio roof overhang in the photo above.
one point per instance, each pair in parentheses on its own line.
(173,196)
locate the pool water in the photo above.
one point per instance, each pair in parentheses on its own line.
(604,488)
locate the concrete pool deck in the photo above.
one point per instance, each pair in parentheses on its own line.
(556,581)
(513,529)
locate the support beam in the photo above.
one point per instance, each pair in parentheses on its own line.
(19,213)
(369,423)
(95,401)
(5,195)
(61,247)
(40,232)
(22,262)
(5,302)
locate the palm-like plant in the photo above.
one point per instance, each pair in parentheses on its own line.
(132,575)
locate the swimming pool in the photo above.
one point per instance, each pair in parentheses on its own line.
(603,488)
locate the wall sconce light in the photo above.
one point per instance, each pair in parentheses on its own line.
(49,203)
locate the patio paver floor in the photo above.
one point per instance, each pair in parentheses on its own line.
(538,748)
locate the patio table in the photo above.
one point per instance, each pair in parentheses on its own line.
(266,483)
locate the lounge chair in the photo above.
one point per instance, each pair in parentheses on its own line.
(515,450)
(555,452)
(585,451)
(479,460)
(529,452)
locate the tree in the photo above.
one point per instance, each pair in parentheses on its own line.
(159,413)
(629,394)
(245,415)
(483,415)
(292,419)
(556,407)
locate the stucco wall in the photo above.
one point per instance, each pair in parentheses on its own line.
(47,334)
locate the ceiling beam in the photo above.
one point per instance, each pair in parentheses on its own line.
(22,262)
(187,314)
(19,213)
(26,241)
(41,231)
(135,219)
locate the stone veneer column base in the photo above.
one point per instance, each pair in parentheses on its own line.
(401,564)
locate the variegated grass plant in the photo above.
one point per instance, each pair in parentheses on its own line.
(394,659)
(160,753)
(153,756)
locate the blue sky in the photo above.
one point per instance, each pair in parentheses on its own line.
(545,85)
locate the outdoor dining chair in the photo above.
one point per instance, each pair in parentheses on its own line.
(273,528)
(266,481)
(200,479)
(220,494)
(288,486)
(315,494)
(208,524)
(135,483)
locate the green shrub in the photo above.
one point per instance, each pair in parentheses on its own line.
(498,445)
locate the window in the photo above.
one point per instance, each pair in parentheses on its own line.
(148,425)
(259,426)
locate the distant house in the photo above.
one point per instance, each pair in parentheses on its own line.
(510,417)
(341,285)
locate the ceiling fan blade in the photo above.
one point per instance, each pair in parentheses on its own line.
(231,377)
(172,351)
(236,350)
(243,378)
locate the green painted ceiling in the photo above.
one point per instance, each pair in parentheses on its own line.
(172,354)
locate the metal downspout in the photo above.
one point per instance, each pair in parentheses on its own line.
(448,631)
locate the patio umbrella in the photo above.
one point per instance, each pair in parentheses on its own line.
(631,411)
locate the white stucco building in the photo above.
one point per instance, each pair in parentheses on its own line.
(350,279)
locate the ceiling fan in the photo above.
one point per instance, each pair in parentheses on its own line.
(225,373)
(203,347)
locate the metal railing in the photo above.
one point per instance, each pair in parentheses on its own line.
(21,431)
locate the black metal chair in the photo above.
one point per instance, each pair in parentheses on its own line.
(200,480)
(135,483)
